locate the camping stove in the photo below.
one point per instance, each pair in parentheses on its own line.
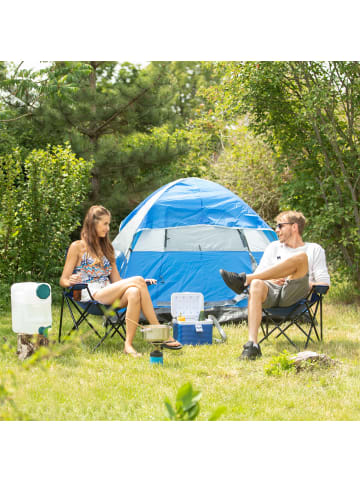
(156,335)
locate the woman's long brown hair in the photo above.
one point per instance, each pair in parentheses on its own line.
(97,246)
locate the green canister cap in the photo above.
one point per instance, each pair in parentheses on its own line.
(43,291)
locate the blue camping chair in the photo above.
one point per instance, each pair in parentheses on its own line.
(302,315)
(80,312)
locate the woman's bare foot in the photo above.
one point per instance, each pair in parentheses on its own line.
(130,350)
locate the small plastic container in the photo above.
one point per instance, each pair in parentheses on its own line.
(192,331)
(31,308)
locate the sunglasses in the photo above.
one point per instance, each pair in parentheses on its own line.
(280,225)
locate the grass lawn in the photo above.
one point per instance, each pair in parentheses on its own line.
(78,384)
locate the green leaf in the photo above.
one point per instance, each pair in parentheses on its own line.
(170,409)
(217,413)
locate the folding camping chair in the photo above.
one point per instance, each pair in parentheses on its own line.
(80,312)
(301,314)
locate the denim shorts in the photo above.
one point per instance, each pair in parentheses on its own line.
(289,293)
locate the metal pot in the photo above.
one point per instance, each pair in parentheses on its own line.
(156,333)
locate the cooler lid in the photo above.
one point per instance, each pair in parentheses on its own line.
(188,304)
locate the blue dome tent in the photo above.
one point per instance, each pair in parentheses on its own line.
(183,233)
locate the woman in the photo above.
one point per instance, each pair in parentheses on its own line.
(93,258)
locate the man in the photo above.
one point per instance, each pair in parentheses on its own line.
(286,273)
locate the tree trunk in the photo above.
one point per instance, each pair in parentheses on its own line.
(28,344)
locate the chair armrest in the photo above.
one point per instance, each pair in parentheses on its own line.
(79,286)
(320,289)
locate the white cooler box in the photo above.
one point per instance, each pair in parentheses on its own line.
(192,331)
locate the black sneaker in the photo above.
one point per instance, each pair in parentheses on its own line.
(250,352)
(235,281)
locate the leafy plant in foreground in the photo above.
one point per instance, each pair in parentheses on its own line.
(279,364)
(187,405)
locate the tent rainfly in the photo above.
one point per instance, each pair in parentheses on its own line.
(183,233)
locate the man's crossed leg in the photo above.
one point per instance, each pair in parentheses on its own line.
(269,288)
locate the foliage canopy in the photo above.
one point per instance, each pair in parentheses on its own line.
(309,113)
(123,116)
(39,206)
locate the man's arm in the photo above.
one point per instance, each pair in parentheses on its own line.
(320,274)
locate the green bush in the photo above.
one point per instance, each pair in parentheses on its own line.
(279,364)
(39,208)
(342,291)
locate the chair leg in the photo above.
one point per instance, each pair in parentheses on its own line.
(312,327)
(321,320)
(107,333)
(282,332)
(93,328)
(76,323)
(310,308)
(116,330)
(308,337)
(267,333)
(303,331)
(80,313)
(262,328)
(113,328)
(83,317)
(61,318)
(312,316)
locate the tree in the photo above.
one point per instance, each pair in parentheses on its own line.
(39,207)
(309,114)
(121,115)
(223,149)
(111,104)
(246,166)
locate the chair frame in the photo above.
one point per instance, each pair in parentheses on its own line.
(80,311)
(293,315)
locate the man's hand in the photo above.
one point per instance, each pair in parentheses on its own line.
(279,281)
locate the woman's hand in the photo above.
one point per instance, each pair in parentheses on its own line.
(150,281)
(75,279)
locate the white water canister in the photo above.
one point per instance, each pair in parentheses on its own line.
(30,307)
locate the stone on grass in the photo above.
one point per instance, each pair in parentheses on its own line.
(305,359)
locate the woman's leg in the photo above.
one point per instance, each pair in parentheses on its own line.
(121,294)
(146,303)
(115,291)
(131,299)
(148,309)
(119,291)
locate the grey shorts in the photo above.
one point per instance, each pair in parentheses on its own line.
(287,294)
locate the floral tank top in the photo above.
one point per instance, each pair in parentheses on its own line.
(91,272)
